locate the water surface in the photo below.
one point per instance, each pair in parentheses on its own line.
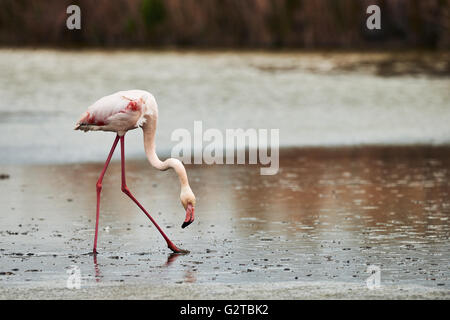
(325,217)
(314,99)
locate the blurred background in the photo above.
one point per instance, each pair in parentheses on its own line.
(228,23)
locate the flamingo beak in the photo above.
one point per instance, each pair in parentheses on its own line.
(189,216)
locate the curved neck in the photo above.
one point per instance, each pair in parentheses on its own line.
(149,129)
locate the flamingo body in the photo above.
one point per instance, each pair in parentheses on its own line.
(118,112)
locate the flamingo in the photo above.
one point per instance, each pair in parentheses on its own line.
(127,110)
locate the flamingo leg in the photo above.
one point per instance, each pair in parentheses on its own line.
(99,190)
(128,193)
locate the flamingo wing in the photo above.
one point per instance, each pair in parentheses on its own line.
(119,112)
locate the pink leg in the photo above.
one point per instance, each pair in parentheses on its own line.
(99,190)
(128,193)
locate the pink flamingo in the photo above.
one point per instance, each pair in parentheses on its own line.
(127,110)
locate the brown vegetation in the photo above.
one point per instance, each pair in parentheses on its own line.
(227,23)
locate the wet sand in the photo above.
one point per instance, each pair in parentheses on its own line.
(310,231)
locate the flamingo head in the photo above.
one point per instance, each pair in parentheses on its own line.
(187,198)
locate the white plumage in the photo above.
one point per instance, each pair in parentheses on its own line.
(118,112)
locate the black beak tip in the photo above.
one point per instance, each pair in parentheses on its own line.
(185,224)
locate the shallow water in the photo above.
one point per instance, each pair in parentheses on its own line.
(308,96)
(324,218)
(327,216)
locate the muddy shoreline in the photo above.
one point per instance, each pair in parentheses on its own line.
(318,224)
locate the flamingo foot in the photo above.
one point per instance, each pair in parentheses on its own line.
(90,253)
(175,249)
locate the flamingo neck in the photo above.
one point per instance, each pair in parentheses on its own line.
(149,129)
